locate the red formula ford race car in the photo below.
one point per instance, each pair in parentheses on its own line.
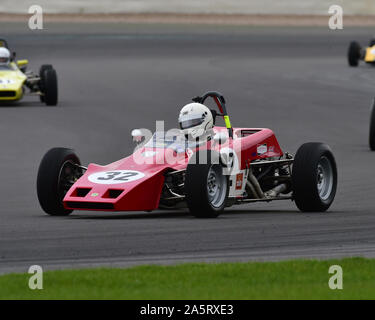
(229,166)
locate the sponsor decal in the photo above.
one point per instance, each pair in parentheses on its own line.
(262,149)
(239,179)
(271,149)
(95,194)
(115,176)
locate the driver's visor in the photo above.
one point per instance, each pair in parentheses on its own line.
(4,59)
(187,122)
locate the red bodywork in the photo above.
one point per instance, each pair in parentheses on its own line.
(144,193)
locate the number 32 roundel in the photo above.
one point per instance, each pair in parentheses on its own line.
(115,176)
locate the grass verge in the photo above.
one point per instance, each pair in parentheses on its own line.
(296,279)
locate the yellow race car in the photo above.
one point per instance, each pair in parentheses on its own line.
(15,81)
(356,53)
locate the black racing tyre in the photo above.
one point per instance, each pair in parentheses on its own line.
(41,72)
(49,86)
(354,53)
(372,127)
(371,42)
(206,186)
(55,170)
(44,67)
(314,177)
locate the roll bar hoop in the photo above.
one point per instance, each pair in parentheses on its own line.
(220,102)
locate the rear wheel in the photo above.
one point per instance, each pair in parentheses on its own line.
(354,53)
(372,128)
(314,177)
(48,85)
(206,188)
(57,172)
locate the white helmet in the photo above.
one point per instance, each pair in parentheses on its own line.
(196,121)
(4,56)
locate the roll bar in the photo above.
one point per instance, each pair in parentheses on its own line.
(220,102)
(4,43)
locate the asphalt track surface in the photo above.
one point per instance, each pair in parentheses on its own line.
(113,78)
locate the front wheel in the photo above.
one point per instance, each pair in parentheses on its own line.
(354,53)
(58,170)
(372,128)
(314,177)
(206,188)
(48,84)
(41,75)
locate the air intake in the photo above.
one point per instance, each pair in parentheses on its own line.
(81,192)
(7,93)
(112,193)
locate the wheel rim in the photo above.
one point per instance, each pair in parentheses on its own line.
(69,174)
(324,174)
(216,186)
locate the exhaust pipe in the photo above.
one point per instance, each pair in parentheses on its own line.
(273,193)
(255,184)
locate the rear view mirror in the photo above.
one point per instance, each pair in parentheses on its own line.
(22,63)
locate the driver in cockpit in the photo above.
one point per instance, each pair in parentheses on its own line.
(196,122)
(4,57)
